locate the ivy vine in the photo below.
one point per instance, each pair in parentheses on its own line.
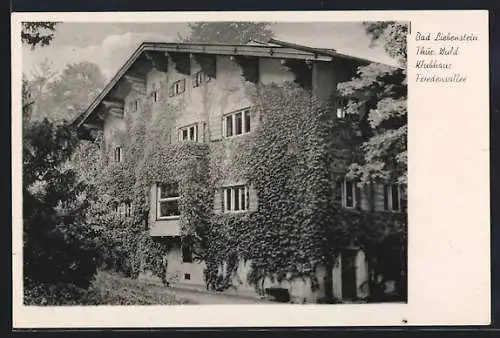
(292,160)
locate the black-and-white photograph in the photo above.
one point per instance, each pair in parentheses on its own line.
(214,163)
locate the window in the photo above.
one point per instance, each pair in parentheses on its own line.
(133,105)
(347,194)
(199,77)
(118,154)
(189,133)
(237,123)
(155,95)
(124,209)
(168,201)
(177,88)
(187,254)
(392,197)
(235,199)
(187,276)
(341,107)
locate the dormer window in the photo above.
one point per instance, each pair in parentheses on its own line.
(189,133)
(118,154)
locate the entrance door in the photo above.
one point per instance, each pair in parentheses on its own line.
(349,285)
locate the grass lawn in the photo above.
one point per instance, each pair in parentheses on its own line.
(113,289)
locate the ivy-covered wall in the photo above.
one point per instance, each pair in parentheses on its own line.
(296,151)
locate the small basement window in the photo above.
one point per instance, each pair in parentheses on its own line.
(168,201)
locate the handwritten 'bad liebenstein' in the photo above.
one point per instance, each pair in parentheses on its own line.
(436,53)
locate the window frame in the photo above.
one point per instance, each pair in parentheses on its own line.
(232,192)
(124,209)
(244,113)
(118,154)
(160,200)
(188,128)
(175,88)
(341,103)
(388,197)
(343,194)
(198,79)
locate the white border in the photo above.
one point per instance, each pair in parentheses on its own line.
(449,255)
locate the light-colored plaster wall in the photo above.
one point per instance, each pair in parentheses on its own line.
(176,269)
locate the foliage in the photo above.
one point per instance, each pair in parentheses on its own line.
(228,32)
(62,96)
(293,159)
(58,246)
(106,289)
(383,90)
(37,34)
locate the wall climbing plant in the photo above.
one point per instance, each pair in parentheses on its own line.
(292,160)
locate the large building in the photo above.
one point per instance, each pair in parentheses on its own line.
(184,72)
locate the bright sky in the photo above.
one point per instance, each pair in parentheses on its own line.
(110,44)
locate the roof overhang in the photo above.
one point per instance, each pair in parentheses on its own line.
(275,49)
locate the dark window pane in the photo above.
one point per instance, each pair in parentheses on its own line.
(169,208)
(187,254)
(229,125)
(349,202)
(184,134)
(228,199)
(239,124)
(243,199)
(247,121)
(395,197)
(191,133)
(338,192)
(236,199)
(169,190)
(386,197)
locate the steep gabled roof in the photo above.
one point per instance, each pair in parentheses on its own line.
(271,49)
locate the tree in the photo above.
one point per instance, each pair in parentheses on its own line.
(384,153)
(383,89)
(59,249)
(36,34)
(228,32)
(63,96)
